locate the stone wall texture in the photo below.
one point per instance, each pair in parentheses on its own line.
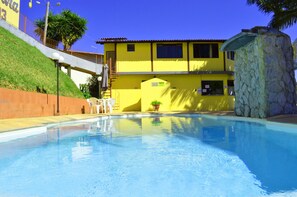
(22,104)
(264,77)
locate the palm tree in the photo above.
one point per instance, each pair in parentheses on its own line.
(71,28)
(284,11)
(66,27)
(52,38)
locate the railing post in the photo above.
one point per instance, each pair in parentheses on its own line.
(25,24)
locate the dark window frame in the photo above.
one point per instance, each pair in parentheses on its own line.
(130,47)
(210,88)
(206,50)
(169,51)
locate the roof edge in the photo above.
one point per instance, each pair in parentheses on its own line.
(150,41)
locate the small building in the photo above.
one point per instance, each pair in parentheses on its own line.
(185,75)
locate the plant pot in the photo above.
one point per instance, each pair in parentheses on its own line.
(156,107)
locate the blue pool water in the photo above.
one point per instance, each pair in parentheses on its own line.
(157,156)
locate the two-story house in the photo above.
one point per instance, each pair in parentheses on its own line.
(185,75)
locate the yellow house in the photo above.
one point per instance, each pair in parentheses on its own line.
(185,75)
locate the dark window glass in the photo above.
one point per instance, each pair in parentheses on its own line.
(130,47)
(230,55)
(169,51)
(215,50)
(206,50)
(231,88)
(212,88)
(201,50)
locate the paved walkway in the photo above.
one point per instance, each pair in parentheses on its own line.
(22,123)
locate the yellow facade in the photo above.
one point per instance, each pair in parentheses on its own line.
(183,91)
(183,77)
(138,61)
(10,12)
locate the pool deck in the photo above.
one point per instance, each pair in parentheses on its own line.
(24,123)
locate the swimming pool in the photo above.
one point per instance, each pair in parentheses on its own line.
(183,155)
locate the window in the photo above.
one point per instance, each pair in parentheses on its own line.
(169,51)
(230,55)
(231,88)
(206,50)
(212,88)
(130,47)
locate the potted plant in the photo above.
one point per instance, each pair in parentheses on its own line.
(156,105)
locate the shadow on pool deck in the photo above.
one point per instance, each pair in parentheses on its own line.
(22,123)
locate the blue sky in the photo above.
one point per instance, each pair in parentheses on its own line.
(157,19)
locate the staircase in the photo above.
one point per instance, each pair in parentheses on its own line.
(112,78)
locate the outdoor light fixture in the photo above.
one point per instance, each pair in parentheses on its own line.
(58,59)
(55,56)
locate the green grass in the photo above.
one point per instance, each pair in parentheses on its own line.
(24,67)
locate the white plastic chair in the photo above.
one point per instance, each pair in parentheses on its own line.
(90,105)
(96,104)
(101,103)
(110,103)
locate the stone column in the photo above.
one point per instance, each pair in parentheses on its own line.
(264,74)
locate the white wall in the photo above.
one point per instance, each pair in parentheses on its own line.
(78,77)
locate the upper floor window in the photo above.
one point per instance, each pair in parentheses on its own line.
(230,55)
(212,87)
(169,51)
(206,50)
(130,47)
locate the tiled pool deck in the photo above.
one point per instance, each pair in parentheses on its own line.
(23,123)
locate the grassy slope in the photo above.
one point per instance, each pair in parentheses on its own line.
(24,67)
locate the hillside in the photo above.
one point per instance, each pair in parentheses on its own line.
(24,67)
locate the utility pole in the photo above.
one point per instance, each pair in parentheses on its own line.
(46,22)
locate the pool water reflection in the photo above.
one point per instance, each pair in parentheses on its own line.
(186,155)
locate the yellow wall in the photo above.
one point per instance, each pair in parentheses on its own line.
(108,47)
(182,95)
(127,99)
(134,61)
(155,89)
(10,12)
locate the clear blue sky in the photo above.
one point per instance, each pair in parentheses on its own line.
(157,19)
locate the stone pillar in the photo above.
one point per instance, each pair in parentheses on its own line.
(264,74)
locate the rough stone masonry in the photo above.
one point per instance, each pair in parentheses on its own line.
(264,76)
